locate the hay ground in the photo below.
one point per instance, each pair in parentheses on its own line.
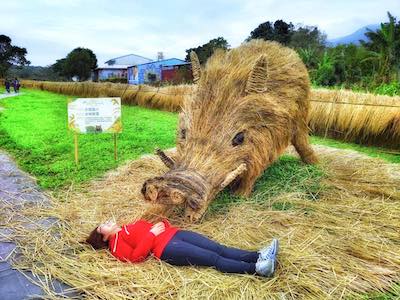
(343,244)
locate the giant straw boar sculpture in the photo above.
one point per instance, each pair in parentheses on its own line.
(249,105)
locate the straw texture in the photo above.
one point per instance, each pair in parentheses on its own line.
(222,126)
(361,117)
(167,98)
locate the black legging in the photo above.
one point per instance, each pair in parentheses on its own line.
(190,248)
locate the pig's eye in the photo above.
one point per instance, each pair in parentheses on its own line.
(238,139)
(183,134)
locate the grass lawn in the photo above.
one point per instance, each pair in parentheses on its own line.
(378,152)
(33,128)
(288,174)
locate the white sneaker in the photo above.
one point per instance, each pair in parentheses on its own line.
(271,251)
(266,263)
(265,267)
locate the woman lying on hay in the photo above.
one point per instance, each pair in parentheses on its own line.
(134,242)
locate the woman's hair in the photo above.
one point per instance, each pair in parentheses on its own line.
(96,240)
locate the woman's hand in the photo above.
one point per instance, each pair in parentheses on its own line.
(158,228)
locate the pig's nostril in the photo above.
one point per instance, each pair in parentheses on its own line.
(177,197)
(189,218)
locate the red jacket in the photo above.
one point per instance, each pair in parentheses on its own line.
(135,241)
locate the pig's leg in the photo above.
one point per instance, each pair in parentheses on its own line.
(194,215)
(243,186)
(300,141)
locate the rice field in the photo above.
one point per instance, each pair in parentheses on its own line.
(355,117)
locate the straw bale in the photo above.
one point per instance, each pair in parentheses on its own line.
(360,117)
(345,243)
(167,98)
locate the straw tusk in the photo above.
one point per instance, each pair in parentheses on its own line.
(169,162)
(232,175)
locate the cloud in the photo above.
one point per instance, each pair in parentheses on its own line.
(49,29)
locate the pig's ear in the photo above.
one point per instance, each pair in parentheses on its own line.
(257,81)
(196,69)
(150,192)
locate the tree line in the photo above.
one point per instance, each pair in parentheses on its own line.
(79,63)
(369,65)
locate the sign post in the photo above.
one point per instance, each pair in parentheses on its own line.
(95,115)
(76,148)
(115,146)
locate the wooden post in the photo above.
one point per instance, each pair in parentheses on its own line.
(76,148)
(115,146)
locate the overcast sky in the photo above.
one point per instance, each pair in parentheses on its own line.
(49,29)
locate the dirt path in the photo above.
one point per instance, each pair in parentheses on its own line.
(16,190)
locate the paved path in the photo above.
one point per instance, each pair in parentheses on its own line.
(17,189)
(6,95)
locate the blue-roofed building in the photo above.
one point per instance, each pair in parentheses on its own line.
(130,59)
(117,67)
(161,70)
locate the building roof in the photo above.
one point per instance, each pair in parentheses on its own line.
(165,62)
(112,67)
(130,59)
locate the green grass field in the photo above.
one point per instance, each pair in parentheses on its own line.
(288,174)
(33,128)
(377,152)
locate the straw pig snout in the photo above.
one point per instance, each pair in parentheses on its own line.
(177,187)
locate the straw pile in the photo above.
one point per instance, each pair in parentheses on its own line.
(359,117)
(341,245)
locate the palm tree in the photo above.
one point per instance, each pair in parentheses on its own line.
(385,42)
(309,57)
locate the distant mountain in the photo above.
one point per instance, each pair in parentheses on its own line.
(355,37)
